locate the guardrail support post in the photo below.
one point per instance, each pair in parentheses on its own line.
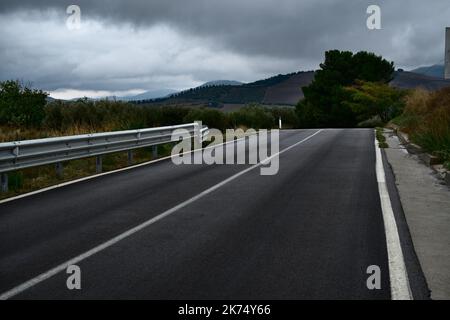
(98,164)
(4,182)
(59,169)
(130,157)
(154,152)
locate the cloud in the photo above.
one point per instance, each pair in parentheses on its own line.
(143,45)
(116,57)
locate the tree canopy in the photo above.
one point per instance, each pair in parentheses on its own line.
(369,99)
(21,105)
(323,103)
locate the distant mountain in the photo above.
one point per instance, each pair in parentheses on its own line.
(221,83)
(409,80)
(148,95)
(436,71)
(289,91)
(283,89)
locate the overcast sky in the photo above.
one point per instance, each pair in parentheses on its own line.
(127,47)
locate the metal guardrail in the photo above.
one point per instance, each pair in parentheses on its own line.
(30,153)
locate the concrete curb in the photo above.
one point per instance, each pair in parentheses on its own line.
(412,148)
(447,178)
(429,159)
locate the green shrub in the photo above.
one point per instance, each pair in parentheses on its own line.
(210,117)
(288,116)
(20,105)
(370,99)
(253,116)
(381,138)
(426,118)
(371,123)
(15,180)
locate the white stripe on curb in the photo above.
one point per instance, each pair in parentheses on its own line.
(50,273)
(400,289)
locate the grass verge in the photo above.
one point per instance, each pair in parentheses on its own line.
(426,119)
(381,138)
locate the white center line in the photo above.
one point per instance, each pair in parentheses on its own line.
(400,289)
(63,266)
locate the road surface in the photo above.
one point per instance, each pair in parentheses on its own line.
(309,232)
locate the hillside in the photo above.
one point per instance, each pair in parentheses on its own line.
(282,90)
(278,90)
(154,94)
(288,92)
(221,83)
(409,80)
(436,71)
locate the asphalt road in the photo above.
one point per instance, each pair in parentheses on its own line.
(309,232)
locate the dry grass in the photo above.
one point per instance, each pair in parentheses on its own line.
(10,133)
(426,118)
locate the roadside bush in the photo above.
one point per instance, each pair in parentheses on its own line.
(210,117)
(20,105)
(371,123)
(381,138)
(370,99)
(87,116)
(288,116)
(252,116)
(426,118)
(169,115)
(415,110)
(91,116)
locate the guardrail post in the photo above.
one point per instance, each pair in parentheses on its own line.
(130,157)
(98,164)
(154,152)
(4,181)
(59,169)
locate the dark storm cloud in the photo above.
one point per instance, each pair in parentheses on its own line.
(263,35)
(281,28)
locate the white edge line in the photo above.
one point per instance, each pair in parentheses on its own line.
(50,273)
(59,185)
(398,275)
